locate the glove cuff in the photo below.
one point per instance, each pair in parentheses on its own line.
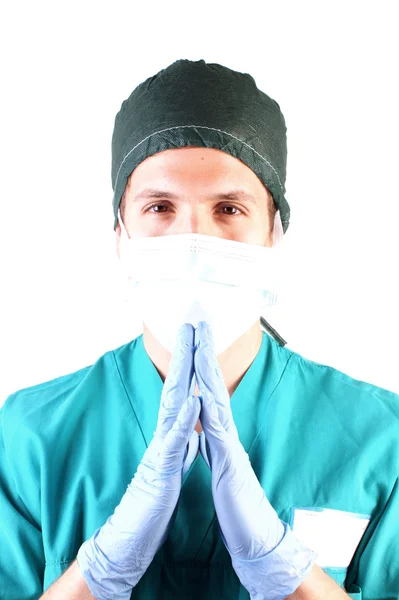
(280,572)
(96,575)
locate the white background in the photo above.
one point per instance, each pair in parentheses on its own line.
(67,67)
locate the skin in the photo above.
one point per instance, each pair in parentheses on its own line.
(195,176)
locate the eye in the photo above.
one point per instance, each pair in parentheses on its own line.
(162,207)
(156,205)
(229,208)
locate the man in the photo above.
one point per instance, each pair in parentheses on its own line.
(291,488)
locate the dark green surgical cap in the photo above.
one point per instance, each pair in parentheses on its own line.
(194,103)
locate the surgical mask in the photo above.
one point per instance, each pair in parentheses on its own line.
(187,278)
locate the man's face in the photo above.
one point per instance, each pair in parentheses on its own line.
(186,196)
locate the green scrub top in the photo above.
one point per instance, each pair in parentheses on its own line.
(316,438)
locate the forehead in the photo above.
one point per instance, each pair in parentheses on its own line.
(195,167)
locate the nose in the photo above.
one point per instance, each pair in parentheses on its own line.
(194,220)
(194,224)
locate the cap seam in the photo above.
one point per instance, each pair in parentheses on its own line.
(197,127)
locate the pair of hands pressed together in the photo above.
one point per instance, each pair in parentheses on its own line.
(266,556)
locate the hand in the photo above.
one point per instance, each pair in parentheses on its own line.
(266,556)
(114,559)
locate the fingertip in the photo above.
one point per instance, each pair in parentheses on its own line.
(197,336)
(186,334)
(203,329)
(208,403)
(204,336)
(193,405)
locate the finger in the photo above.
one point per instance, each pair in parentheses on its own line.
(177,384)
(190,452)
(175,443)
(214,430)
(204,448)
(209,375)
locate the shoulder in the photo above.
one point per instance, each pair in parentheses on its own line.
(34,408)
(325,381)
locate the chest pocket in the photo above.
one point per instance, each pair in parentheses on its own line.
(338,574)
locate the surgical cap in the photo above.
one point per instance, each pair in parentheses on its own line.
(194,103)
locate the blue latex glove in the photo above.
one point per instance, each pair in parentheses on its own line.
(114,559)
(268,559)
(191,452)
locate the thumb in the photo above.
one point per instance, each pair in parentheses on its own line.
(176,440)
(204,449)
(210,420)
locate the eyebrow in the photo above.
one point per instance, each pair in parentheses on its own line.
(232,195)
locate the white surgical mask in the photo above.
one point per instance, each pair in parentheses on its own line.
(187,278)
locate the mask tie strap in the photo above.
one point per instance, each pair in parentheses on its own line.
(272,332)
(278,234)
(123,228)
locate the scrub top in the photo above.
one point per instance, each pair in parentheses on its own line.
(316,439)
